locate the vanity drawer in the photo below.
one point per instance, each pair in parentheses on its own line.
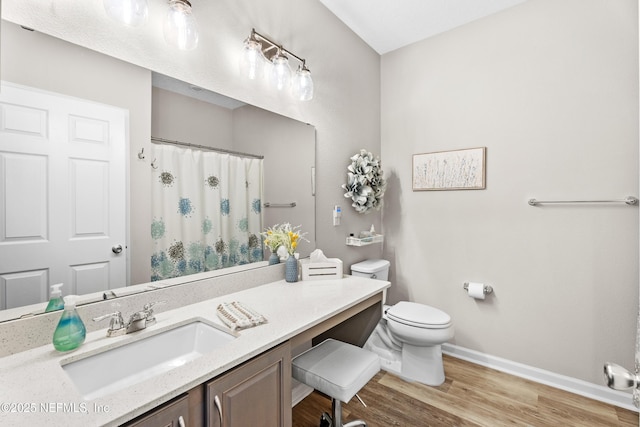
(174,413)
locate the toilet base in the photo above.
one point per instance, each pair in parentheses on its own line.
(390,359)
(423,364)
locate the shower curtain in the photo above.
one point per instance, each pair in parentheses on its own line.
(206,211)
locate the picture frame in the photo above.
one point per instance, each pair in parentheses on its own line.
(450,170)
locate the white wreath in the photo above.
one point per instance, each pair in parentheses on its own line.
(365,184)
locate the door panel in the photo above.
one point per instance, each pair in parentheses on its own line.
(62,194)
(21,288)
(89,184)
(25,217)
(90,278)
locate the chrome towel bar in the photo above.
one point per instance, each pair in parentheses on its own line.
(279,205)
(630,200)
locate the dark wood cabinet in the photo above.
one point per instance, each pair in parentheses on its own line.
(256,394)
(172,414)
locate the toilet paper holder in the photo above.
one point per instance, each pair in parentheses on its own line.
(486,289)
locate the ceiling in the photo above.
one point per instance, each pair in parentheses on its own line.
(387,25)
(183,88)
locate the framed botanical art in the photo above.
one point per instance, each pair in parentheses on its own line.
(450,170)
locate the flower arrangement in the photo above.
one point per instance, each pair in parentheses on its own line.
(283,235)
(365,185)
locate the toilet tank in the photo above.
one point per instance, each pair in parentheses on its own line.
(372,268)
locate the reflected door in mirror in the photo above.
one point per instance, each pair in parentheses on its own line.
(62,207)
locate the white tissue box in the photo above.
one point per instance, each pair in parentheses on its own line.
(331,269)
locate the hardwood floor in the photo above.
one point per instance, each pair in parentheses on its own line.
(472,395)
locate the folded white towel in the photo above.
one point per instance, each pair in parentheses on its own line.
(238,316)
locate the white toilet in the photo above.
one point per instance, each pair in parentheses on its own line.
(409,336)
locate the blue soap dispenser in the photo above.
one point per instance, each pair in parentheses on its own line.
(56,302)
(70,332)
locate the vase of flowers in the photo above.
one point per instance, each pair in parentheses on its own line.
(273,240)
(285,238)
(274,258)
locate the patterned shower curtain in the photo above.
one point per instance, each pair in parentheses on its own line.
(206,211)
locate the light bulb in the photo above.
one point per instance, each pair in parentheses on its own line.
(302,87)
(252,60)
(180,27)
(129,12)
(280,72)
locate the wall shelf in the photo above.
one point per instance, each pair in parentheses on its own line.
(364,241)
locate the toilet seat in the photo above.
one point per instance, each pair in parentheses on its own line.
(419,315)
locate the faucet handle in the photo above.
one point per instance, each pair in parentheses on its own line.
(148,305)
(116,325)
(148,308)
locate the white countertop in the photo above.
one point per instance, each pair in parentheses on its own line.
(36,391)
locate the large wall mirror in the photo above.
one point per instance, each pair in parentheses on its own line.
(158,113)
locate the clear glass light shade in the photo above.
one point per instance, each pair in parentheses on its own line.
(302,87)
(180,27)
(280,72)
(252,61)
(129,12)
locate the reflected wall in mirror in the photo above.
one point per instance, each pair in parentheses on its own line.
(40,61)
(189,118)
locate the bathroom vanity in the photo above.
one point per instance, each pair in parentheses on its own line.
(262,384)
(248,376)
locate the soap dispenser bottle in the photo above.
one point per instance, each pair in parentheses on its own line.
(70,332)
(55,303)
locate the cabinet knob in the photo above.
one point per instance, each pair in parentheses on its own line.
(181,421)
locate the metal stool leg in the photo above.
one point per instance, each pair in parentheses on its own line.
(336,412)
(325,420)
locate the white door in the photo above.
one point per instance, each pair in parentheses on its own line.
(62,195)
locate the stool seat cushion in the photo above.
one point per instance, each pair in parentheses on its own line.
(335,368)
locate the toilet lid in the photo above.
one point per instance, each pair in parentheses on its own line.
(419,315)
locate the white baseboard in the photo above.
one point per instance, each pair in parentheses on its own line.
(573,385)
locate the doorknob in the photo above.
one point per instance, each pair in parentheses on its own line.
(619,378)
(116,249)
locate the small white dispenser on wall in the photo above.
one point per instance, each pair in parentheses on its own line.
(477,290)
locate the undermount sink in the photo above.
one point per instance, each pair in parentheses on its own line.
(112,370)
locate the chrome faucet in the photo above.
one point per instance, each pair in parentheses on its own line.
(137,321)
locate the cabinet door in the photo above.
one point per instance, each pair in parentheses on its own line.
(256,394)
(172,414)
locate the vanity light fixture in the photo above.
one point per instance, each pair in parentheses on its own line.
(280,72)
(133,13)
(180,27)
(302,83)
(259,51)
(252,59)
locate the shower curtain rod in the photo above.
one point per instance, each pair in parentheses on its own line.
(204,147)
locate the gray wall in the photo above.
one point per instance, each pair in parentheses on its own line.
(178,117)
(288,147)
(551,89)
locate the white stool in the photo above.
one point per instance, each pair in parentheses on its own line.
(338,370)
